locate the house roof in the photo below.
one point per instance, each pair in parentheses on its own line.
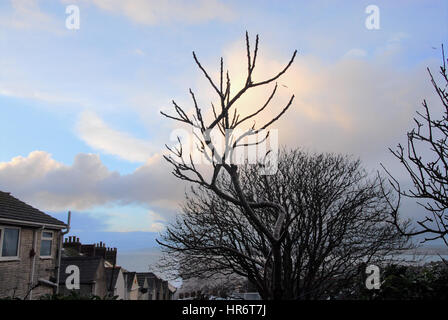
(88,267)
(141,276)
(130,279)
(13,209)
(155,282)
(116,272)
(70,252)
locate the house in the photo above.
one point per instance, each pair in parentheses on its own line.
(29,249)
(170,291)
(92,275)
(132,286)
(115,282)
(73,247)
(145,291)
(158,289)
(154,287)
(119,282)
(112,276)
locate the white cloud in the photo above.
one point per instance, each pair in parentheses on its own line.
(127,220)
(100,136)
(26,92)
(26,14)
(357,106)
(139,52)
(87,183)
(398,37)
(152,12)
(355,53)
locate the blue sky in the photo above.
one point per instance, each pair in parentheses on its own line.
(80,127)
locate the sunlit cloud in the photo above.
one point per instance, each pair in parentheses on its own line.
(88,183)
(98,135)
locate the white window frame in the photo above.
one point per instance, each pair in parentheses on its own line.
(46,238)
(2,237)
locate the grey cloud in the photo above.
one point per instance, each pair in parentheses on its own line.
(86,183)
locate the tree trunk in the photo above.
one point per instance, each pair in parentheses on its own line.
(277,283)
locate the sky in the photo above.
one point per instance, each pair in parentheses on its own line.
(80,123)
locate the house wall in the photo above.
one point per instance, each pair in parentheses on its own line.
(15,276)
(120,287)
(101,282)
(133,294)
(144,296)
(152,294)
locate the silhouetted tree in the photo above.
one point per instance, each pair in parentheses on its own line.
(335,218)
(226,121)
(426,161)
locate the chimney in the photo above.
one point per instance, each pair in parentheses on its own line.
(111,255)
(73,243)
(100,250)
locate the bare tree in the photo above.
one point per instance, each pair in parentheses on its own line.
(426,162)
(335,220)
(226,119)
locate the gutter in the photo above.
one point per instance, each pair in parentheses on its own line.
(61,240)
(30,223)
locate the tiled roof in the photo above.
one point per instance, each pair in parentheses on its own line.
(70,252)
(130,279)
(14,209)
(116,272)
(88,267)
(155,282)
(141,276)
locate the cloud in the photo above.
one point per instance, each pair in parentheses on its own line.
(26,14)
(26,92)
(153,12)
(124,220)
(139,52)
(352,105)
(356,53)
(88,183)
(100,136)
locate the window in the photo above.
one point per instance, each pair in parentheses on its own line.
(45,244)
(9,243)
